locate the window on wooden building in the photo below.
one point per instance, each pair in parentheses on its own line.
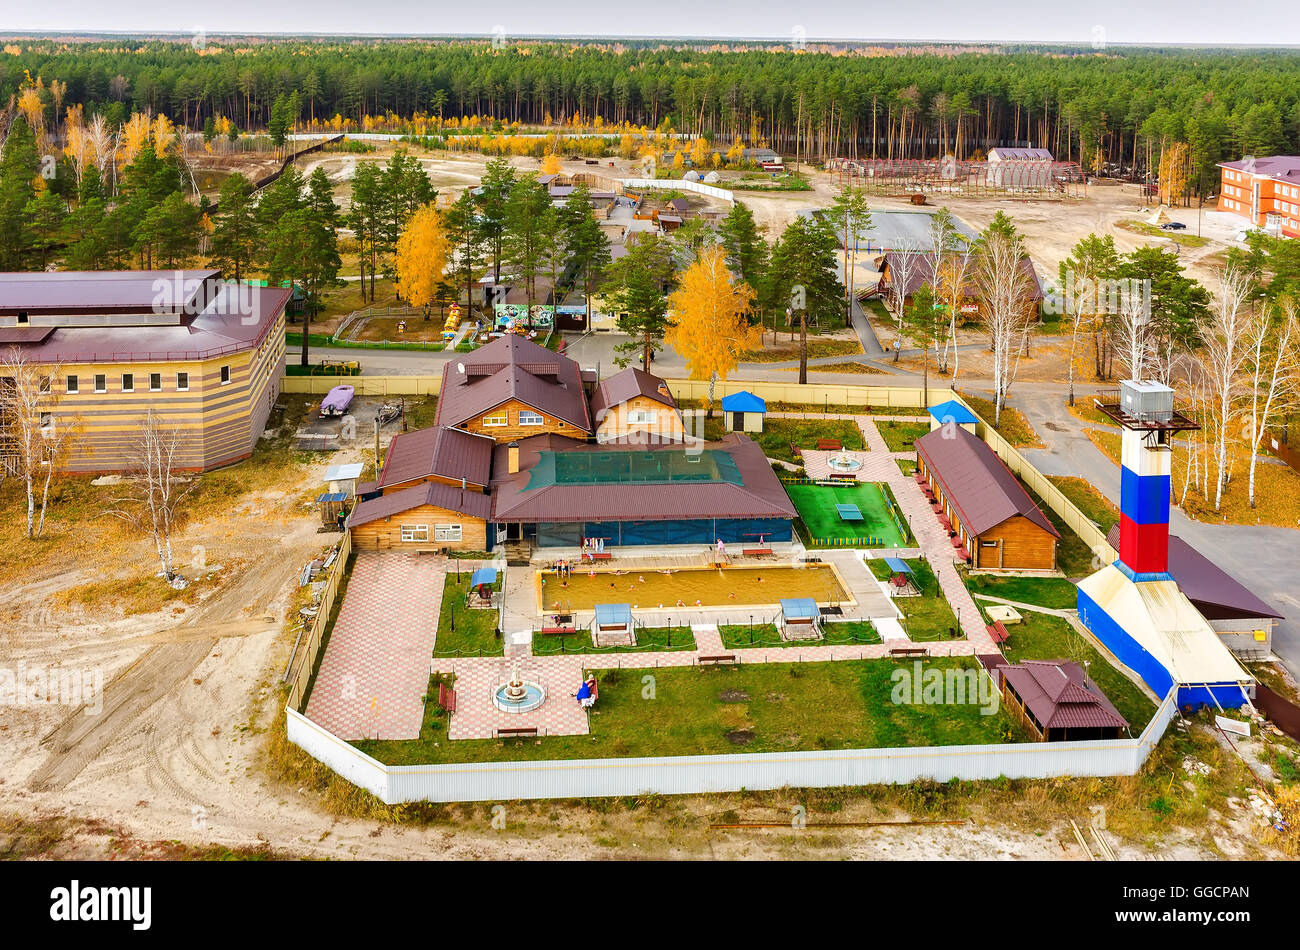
(415,532)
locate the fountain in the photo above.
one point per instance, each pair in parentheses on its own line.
(843,462)
(518,695)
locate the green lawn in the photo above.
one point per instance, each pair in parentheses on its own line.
(816,505)
(900,435)
(1088,500)
(927,617)
(777,435)
(845,632)
(648,640)
(907,466)
(464,631)
(1044,591)
(760,707)
(1044,637)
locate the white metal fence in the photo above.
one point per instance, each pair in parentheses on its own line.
(696,774)
(679,184)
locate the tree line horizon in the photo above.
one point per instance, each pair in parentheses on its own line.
(1114,111)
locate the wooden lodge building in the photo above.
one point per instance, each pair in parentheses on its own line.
(988,511)
(206,355)
(529,451)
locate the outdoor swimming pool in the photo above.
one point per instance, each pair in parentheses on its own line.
(649,588)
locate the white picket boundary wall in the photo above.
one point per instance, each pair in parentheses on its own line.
(697,774)
(679,184)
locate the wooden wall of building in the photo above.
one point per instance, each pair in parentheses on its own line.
(386,533)
(512,430)
(1021,545)
(615,422)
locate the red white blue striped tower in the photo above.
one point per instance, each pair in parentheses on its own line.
(1147,419)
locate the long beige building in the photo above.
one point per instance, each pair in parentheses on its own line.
(205,354)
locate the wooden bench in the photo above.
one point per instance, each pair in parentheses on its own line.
(908,651)
(720,658)
(998,632)
(558,631)
(446,698)
(597,555)
(756,552)
(829,445)
(517,732)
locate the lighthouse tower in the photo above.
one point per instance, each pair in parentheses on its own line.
(1148,421)
(1133,605)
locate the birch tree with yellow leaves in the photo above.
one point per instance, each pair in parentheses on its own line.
(421,258)
(709,323)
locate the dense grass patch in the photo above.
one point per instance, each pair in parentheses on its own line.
(841,633)
(760,707)
(463,630)
(929,616)
(1087,499)
(1056,592)
(648,640)
(899,436)
(778,434)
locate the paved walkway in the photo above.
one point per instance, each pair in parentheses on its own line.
(375,671)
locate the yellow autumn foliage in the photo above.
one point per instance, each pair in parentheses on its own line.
(709,316)
(421,257)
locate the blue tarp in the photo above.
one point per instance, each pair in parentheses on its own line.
(607,614)
(332,496)
(743,401)
(484,575)
(799,608)
(898,565)
(953,411)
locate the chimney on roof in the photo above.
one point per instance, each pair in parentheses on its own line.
(512,458)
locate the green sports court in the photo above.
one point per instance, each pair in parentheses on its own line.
(860,515)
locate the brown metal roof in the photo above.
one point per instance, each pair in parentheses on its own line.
(496,373)
(450,453)
(758,495)
(1060,696)
(1215,593)
(628,384)
(471,503)
(223,327)
(127,291)
(975,481)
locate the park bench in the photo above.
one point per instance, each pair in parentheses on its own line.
(718,659)
(446,698)
(597,555)
(560,631)
(516,732)
(756,552)
(842,477)
(908,651)
(829,445)
(998,632)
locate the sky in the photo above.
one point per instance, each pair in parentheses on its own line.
(1097,24)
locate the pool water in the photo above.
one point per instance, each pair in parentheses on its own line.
(648,588)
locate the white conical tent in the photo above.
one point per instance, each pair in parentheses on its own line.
(1159,217)
(1163,622)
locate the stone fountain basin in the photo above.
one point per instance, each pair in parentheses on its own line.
(534,696)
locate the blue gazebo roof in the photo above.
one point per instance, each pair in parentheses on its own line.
(799,608)
(613,613)
(898,565)
(954,411)
(743,401)
(484,575)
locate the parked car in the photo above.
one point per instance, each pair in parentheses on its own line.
(1173,226)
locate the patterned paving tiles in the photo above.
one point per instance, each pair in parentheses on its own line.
(375,671)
